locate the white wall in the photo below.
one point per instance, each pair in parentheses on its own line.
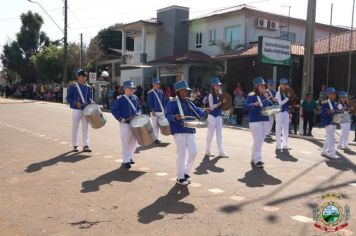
(248,26)
(150,45)
(135,75)
(217,23)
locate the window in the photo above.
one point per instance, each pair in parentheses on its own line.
(291,36)
(198,40)
(212,37)
(232,35)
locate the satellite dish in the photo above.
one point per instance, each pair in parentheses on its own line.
(104,74)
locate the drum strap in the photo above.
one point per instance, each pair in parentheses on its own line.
(329,102)
(179,106)
(130,102)
(259,100)
(159,100)
(80,93)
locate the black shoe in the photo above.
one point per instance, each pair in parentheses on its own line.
(187,177)
(75,149)
(127,165)
(132,162)
(259,164)
(86,149)
(182,182)
(157,141)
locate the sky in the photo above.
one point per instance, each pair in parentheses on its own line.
(90,16)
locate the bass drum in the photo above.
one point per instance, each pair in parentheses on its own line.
(164,126)
(142,128)
(94,116)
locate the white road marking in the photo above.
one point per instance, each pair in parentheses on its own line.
(41,135)
(173,179)
(118,160)
(305,152)
(195,185)
(346,232)
(63,142)
(108,157)
(237,198)
(161,174)
(144,168)
(303,219)
(270,208)
(353,184)
(216,190)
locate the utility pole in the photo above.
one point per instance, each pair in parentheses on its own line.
(289,7)
(350,50)
(308,65)
(65,67)
(328,63)
(81,51)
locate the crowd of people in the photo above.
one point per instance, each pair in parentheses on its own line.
(37,91)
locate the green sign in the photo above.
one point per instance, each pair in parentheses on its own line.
(274,51)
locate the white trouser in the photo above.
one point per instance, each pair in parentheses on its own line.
(128,142)
(214,124)
(258,130)
(344,137)
(154,121)
(282,129)
(187,151)
(77,117)
(329,145)
(270,125)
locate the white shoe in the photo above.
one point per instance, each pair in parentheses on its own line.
(347,148)
(183,182)
(209,154)
(223,155)
(325,154)
(334,156)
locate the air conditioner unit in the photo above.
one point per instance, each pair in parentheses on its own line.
(261,23)
(273,25)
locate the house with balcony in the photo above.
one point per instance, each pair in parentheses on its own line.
(174,46)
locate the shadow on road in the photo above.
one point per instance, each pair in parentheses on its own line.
(208,165)
(168,204)
(257,177)
(68,157)
(284,155)
(122,175)
(148,147)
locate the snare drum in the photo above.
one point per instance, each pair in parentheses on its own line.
(336,119)
(271,110)
(164,125)
(195,123)
(142,128)
(94,116)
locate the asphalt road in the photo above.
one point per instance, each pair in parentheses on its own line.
(46,189)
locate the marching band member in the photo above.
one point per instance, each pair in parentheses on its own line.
(124,109)
(345,127)
(257,122)
(156,104)
(79,95)
(282,118)
(328,109)
(214,118)
(271,84)
(184,137)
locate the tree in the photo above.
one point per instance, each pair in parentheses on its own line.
(30,40)
(48,64)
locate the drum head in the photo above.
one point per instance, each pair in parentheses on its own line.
(140,121)
(162,121)
(90,109)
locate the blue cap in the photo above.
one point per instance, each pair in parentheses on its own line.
(271,82)
(283,81)
(156,80)
(128,84)
(330,90)
(81,72)
(182,84)
(342,94)
(258,81)
(215,81)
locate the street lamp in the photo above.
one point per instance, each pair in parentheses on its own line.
(46,13)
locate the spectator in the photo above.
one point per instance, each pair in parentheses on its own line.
(308,113)
(238,90)
(239,103)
